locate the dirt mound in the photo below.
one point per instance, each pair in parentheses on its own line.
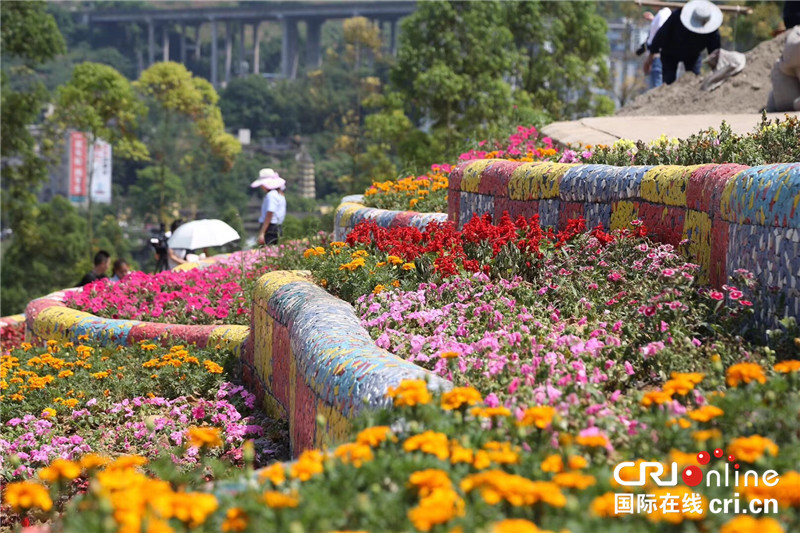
(747,92)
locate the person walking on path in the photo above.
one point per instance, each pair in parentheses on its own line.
(101,260)
(654,71)
(683,36)
(273,208)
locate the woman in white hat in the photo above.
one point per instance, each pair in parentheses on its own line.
(273,208)
(683,36)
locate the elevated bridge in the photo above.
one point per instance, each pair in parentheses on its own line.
(236,19)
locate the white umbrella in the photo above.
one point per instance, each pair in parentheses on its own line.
(202,234)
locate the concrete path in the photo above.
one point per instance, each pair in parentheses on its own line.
(606,130)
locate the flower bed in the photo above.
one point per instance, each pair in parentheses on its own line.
(68,400)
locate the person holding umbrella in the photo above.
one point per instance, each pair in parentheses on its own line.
(273,208)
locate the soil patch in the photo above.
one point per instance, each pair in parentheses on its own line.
(747,92)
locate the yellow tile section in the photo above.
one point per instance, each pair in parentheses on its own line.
(272,281)
(53,322)
(536,181)
(229,337)
(667,184)
(622,214)
(472,174)
(348,210)
(336,428)
(699,246)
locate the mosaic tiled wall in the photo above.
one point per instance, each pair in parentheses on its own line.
(48,318)
(732,215)
(314,364)
(350,212)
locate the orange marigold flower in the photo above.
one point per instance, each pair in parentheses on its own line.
(706,435)
(410,392)
(275,473)
(450,354)
(204,437)
(516,525)
(279,500)
(576,462)
(430,442)
(705,413)
(540,416)
(426,481)
(786,367)
(748,524)
(692,377)
(307,465)
(553,463)
(604,506)
(373,436)
(354,453)
(235,520)
(93,460)
(750,449)
(744,373)
(212,367)
(25,495)
(60,469)
(680,386)
(574,480)
(592,441)
(656,397)
(439,507)
(460,396)
(488,412)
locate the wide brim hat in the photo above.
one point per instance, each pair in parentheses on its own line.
(701,16)
(269,179)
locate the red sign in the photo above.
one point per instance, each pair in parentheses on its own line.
(77,164)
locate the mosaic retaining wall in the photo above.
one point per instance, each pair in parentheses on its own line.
(350,212)
(733,216)
(314,364)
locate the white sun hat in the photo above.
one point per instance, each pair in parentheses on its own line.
(701,16)
(269,179)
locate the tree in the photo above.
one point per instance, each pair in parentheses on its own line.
(453,65)
(29,36)
(185,109)
(101,103)
(564,49)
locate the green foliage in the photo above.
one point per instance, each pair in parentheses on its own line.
(154,189)
(50,258)
(267,109)
(29,32)
(771,142)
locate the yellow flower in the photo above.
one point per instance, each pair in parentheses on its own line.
(496,486)
(682,458)
(786,367)
(126,462)
(681,422)
(275,472)
(373,436)
(502,452)
(25,495)
(394,260)
(540,416)
(744,373)
(204,437)
(574,480)
(426,481)
(750,449)
(193,508)
(359,253)
(279,500)
(691,377)
(553,463)
(412,203)
(378,289)
(48,412)
(481,460)
(308,464)
(439,507)
(409,266)
(410,392)
(354,453)
(72,402)
(604,506)
(235,520)
(430,442)
(748,524)
(212,367)
(450,354)
(93,460)
(516,525)
(488,412)
(705,413)
(680,386)
(576,462)
(460,454)
(338,244)
(592,441)
(706,435)
(65,374)
(459,396)
(60,469)
(101,375)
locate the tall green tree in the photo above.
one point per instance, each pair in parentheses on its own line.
(101,103)
(29,36)
(453,65)
(185,111)
(563,51)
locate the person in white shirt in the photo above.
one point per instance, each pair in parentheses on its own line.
(273,208)
(655,70)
